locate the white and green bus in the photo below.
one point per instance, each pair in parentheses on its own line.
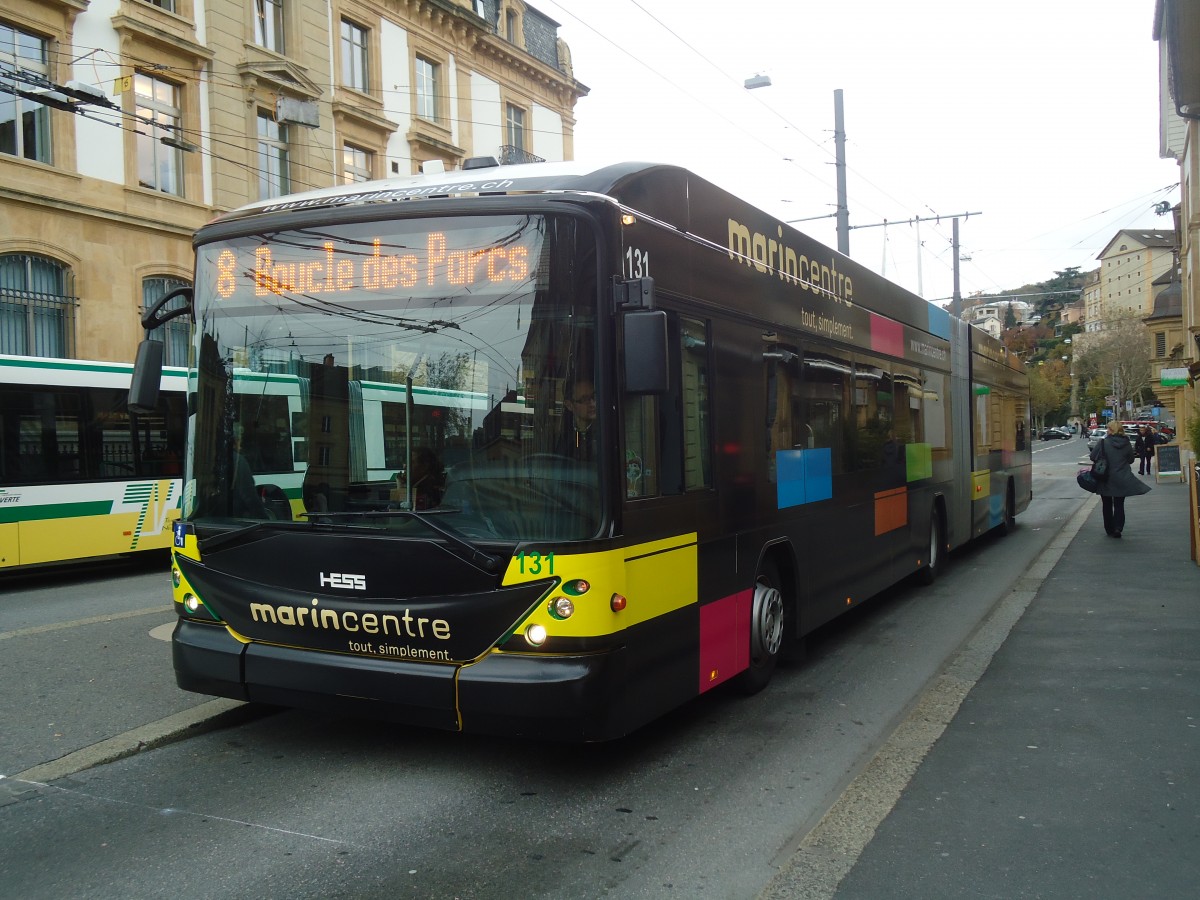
(80,476)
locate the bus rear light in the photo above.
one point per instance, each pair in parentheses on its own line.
(562,607)
(617,603)
(536,635)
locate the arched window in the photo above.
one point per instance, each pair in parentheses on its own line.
(175,333)
(37,306)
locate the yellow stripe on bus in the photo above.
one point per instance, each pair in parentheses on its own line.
(655,578)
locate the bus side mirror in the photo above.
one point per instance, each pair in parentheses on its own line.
(147,375)
(646,352)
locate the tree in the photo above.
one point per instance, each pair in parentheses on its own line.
(1063,289)
(1118,361)
(1046,394)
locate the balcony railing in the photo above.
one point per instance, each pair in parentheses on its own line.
(512,156)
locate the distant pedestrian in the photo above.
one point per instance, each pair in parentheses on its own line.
(1143,449)
(1119,482)
(1083,429)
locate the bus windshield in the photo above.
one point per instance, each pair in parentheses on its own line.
(370,373)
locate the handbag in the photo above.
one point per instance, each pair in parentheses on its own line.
(1086,480)
(1100,465)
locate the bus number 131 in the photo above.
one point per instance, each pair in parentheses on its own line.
(535,563)
(637,263)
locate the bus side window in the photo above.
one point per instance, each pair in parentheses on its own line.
(787,425)
(679,436)
(697,440)
(875,440)
(824,400)
(641,446)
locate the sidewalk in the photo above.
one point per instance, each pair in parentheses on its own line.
(1072,767)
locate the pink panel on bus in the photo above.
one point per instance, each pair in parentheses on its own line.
(887,336)
(724,638)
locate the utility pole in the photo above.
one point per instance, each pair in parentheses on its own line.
(839,145)
(956,296)
(956,300)
(843,210)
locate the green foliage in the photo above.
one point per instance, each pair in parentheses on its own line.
(1047,396)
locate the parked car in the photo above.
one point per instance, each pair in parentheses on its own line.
(1095,436)
(1057,433)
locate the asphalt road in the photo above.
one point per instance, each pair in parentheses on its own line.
(710,801)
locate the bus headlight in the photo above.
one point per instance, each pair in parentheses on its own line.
(191,603)
(562,607)
(176,576)
(536,635)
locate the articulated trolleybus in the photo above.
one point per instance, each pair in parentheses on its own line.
(79,476)
(563,448)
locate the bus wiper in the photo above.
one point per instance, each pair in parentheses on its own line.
(466,550)
(207,545)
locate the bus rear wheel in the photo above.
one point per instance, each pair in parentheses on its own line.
(767,618)
(1009,523)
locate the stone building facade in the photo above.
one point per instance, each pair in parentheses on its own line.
(1177,30)
(127,124)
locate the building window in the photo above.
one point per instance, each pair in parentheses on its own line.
(268,24)
(273,178)
(174,334)
(24,123)
(515,126)
(1160,344)
(160,166)
(168,5)
(510,26)
(354,57)
(356,164)
(426,80)
(37,307)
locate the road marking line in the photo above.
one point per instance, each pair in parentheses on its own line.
(94,620)
(170,811)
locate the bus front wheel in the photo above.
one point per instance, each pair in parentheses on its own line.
(766,630)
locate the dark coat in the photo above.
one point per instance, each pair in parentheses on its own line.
(1143,446)
(1121,482)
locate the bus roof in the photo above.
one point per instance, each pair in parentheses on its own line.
(668,195)
(517,179)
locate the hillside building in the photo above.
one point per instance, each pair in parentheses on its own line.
(1129,264)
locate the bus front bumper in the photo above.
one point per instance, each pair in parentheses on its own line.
(574,698)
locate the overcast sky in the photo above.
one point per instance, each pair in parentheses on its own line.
(1041,115)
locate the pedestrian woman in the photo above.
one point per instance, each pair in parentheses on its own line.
(1119,482)
(1143,449)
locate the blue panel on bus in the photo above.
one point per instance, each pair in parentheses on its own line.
(803,476)
(939,322)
